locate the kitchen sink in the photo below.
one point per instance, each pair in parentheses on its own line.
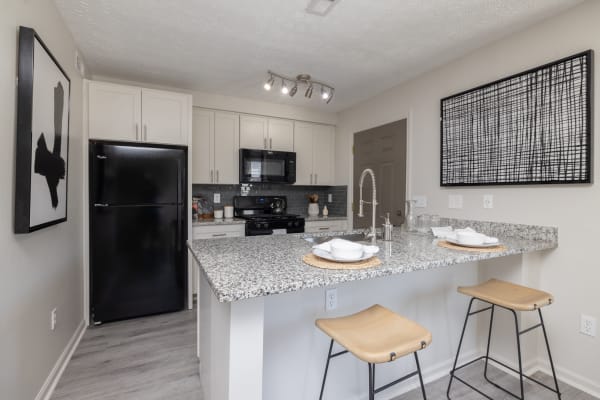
(353,237)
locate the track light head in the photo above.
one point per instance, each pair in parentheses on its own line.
(284,88)
(293,90)
(330,96)
(309,91)
(324,93)
(269,84)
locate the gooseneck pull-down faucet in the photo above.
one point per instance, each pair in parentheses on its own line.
(373,233)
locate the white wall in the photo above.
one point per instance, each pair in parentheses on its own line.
(572,271)
(41,270)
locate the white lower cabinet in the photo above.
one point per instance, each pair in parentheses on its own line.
(218,231)
(325,226)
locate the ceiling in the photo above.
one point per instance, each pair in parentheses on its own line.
(226,46)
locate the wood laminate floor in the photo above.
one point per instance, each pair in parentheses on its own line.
(155,358)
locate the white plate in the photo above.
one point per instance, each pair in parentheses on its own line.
(483,245)
(328,256)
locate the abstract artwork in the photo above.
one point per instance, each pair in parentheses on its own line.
(42,136)
(531,128)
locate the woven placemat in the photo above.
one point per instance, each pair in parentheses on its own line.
(494,249)
(315,261)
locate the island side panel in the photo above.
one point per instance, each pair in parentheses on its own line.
(230,346)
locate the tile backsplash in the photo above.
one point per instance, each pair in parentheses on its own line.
(297,196)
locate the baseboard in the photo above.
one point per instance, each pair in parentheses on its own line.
(59,367)
(571,378)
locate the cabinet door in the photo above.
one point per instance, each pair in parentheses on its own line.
(281,135)
(114,111)
(253,132)
(165,116)
(323,154)
(226,149)
(202,145)
(303,146)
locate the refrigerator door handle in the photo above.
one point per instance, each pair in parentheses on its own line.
(100,205)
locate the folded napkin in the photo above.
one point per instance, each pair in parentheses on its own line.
(446,232)
(346,243)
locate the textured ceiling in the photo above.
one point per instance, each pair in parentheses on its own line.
(226,46)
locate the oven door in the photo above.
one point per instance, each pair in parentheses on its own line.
(263,166)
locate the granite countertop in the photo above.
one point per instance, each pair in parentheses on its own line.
(243,268)
(321,218)
(223,221)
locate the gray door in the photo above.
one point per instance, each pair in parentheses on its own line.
(383,149)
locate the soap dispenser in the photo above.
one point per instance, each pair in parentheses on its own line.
(387,228)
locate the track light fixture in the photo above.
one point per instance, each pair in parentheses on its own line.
(302,79)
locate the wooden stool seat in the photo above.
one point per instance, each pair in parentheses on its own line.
(508,295)
(376,335)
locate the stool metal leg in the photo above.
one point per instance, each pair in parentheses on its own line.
(549,355)
(420,376)
(519,353)
(371,381)
(462,335)
(487,353)
(326,368)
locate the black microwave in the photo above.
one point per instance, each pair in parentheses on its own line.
(265,166)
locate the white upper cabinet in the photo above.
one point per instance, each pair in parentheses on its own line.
(281,134)
(202,137)
(114,111)
(165,116)
(128,113)
(303,146)
(266,133)
(314,145)
(253,132)
(323,154)
(215,147)
(226,153)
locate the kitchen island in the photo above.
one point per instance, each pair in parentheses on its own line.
(258,301)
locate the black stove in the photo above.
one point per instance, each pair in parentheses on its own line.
(266,215)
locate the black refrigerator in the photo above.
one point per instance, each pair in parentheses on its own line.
(138,229)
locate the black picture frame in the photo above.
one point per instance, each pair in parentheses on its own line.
(509,98)
(39,168)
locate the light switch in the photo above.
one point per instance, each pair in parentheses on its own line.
(217,198)
(420,201)
(455,201)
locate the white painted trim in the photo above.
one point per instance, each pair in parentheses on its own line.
(570,378)
(59,367)
(85,208)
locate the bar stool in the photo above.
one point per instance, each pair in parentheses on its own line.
(376,335)
(513,298)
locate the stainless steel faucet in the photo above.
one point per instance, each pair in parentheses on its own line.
(372,234)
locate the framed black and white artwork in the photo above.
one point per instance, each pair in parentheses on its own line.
(42,150)
(534,127)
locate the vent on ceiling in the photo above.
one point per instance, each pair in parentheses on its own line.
(321,7)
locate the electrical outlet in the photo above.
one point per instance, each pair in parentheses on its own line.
(488,201)
(588,325)
(53,319)
(420,201)
(331,300)
(455,201)
(329,198)
(216,198)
